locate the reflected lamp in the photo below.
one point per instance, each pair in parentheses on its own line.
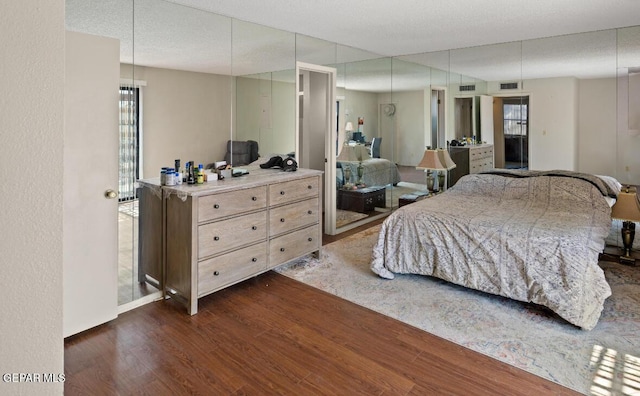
(354,154)
(348,128)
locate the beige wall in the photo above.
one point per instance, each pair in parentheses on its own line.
(410,131)
(32,84)
(553,128)
(186,115)
(265,111)
(597,126)
(361,104)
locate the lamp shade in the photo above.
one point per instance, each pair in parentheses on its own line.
(445,158)
(348,127)
(357,153)
(436,160)
(627,206)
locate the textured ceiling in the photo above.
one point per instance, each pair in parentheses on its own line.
(201,37)
(412,26)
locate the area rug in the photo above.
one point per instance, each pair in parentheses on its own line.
(344,217)
(604,360)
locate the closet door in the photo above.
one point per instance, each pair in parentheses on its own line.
(90,283)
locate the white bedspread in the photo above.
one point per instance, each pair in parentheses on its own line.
(532,239)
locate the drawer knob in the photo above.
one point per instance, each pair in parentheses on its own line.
(282,220)
(254,228)
(254,259)
(216,238)
(216,206)
(281,192)
(309,187)
(254,198)
(310,212)
(310,239)
(216,273)
(282,249)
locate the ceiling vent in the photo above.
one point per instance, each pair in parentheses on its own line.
(467,88)
(511,85)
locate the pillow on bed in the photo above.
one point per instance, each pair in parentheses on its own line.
(612,183)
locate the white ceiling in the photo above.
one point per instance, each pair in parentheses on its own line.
(172,36)
(412,26)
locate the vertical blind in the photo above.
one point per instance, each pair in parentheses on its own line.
(129,158)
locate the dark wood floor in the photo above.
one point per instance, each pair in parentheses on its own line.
(274,335)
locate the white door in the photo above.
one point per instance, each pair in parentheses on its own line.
(90,219)
(486,118)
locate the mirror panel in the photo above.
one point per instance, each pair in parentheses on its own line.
(363,167)
(438,64)
(187,92)
(628,83)
(264,107)
(571,88)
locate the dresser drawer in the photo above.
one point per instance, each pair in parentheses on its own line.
(290,246)
(227,234)
(220,271)
(293,190)
(215,206)
(295,215)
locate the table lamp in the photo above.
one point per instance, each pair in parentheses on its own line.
(627,209)
(436,160)
(353,154)
(348,128)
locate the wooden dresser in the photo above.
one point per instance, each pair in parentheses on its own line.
(223,232)
(470,159)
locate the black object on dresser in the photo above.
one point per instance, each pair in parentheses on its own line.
(362,200)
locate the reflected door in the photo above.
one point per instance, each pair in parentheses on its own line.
(316,130)
(516,137)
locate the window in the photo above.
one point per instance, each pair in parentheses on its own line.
(129,153)
(516,115)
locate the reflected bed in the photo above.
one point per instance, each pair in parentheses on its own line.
(377,172)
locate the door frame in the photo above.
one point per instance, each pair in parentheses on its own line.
(330,139)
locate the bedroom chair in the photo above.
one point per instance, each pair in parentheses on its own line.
(375,147)
(241,152)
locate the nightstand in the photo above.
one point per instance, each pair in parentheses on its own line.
(627,208)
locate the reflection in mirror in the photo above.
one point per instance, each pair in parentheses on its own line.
(315,111)
(368,176)
(628,131)
(265,112)
(438,64)
(263,63)
(494,72)
(181,86)
(570,83)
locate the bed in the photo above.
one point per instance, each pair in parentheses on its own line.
(526,235)
(376,172)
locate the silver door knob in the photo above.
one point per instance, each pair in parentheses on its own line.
(110,194)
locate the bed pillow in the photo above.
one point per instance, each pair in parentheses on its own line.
(613,184)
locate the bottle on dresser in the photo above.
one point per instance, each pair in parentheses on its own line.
(178,174)
(190,173)
(200,174)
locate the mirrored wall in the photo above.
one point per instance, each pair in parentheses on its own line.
(192,80)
